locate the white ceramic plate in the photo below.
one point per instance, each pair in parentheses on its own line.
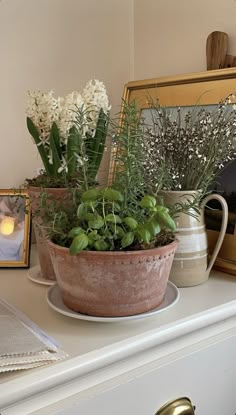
(34,274)
(55,301)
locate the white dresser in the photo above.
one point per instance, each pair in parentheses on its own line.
(129,368)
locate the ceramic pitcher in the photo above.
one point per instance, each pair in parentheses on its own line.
(190,266)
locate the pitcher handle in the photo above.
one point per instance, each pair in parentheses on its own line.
(224,223)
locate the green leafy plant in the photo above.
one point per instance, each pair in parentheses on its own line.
(102,224)
(122,216)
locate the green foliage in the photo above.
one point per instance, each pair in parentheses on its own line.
(96,146)
(123,216)
(129,173)
(73,150)
(54,140)
(99,228)
(79,243)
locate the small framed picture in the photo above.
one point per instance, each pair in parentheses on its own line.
(14,228)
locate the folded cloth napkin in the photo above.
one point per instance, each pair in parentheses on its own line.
(23,345)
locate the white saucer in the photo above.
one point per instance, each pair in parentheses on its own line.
(55,301)
(34,274)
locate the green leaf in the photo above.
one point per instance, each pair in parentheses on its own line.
(113,195)
(41,149)
(148,202)
(166,220)
(54,140)
(127,239)
(98,141)
(117,230)
(96,223)
(91,242)
(73,150)
(90,195)
(56,137)
(79,243)
(112,218)
(89,216)
(101,245)
(144,234)
(117,207)
(93,236)
(75,231)
(130,222)
(160,208)
(82,211)
(153,227)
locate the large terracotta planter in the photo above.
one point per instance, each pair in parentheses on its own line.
(112,283)
(58,194)
(191,266)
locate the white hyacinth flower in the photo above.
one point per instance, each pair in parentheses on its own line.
(95,98)
(44,109)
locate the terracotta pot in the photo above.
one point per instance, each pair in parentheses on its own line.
(112,283)
(190,266)
(59,194)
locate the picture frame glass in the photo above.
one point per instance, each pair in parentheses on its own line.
(14,229)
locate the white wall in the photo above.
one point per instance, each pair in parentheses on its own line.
(61,44)
(56,44)
(170,35)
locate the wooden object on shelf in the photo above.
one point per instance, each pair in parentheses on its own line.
(230,61)
(216,50)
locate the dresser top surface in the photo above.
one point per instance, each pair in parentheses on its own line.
(79,338)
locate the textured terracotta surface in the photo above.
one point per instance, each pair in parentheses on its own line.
(112,283)
(190,266)
(46,265)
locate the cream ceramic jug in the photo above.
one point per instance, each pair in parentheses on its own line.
(190,266)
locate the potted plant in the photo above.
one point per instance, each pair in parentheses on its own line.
(192,145)
(112,254)
(59,128)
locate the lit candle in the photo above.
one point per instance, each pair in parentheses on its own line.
(7,225)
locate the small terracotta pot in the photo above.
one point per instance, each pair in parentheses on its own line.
(112,283)
(47,271)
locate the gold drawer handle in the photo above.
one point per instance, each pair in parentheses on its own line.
(180,406)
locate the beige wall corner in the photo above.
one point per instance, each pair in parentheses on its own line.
(56,44)
(170,35)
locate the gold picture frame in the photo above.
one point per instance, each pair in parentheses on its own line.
(201,88)
(14,228)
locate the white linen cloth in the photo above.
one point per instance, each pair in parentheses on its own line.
(23,345)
